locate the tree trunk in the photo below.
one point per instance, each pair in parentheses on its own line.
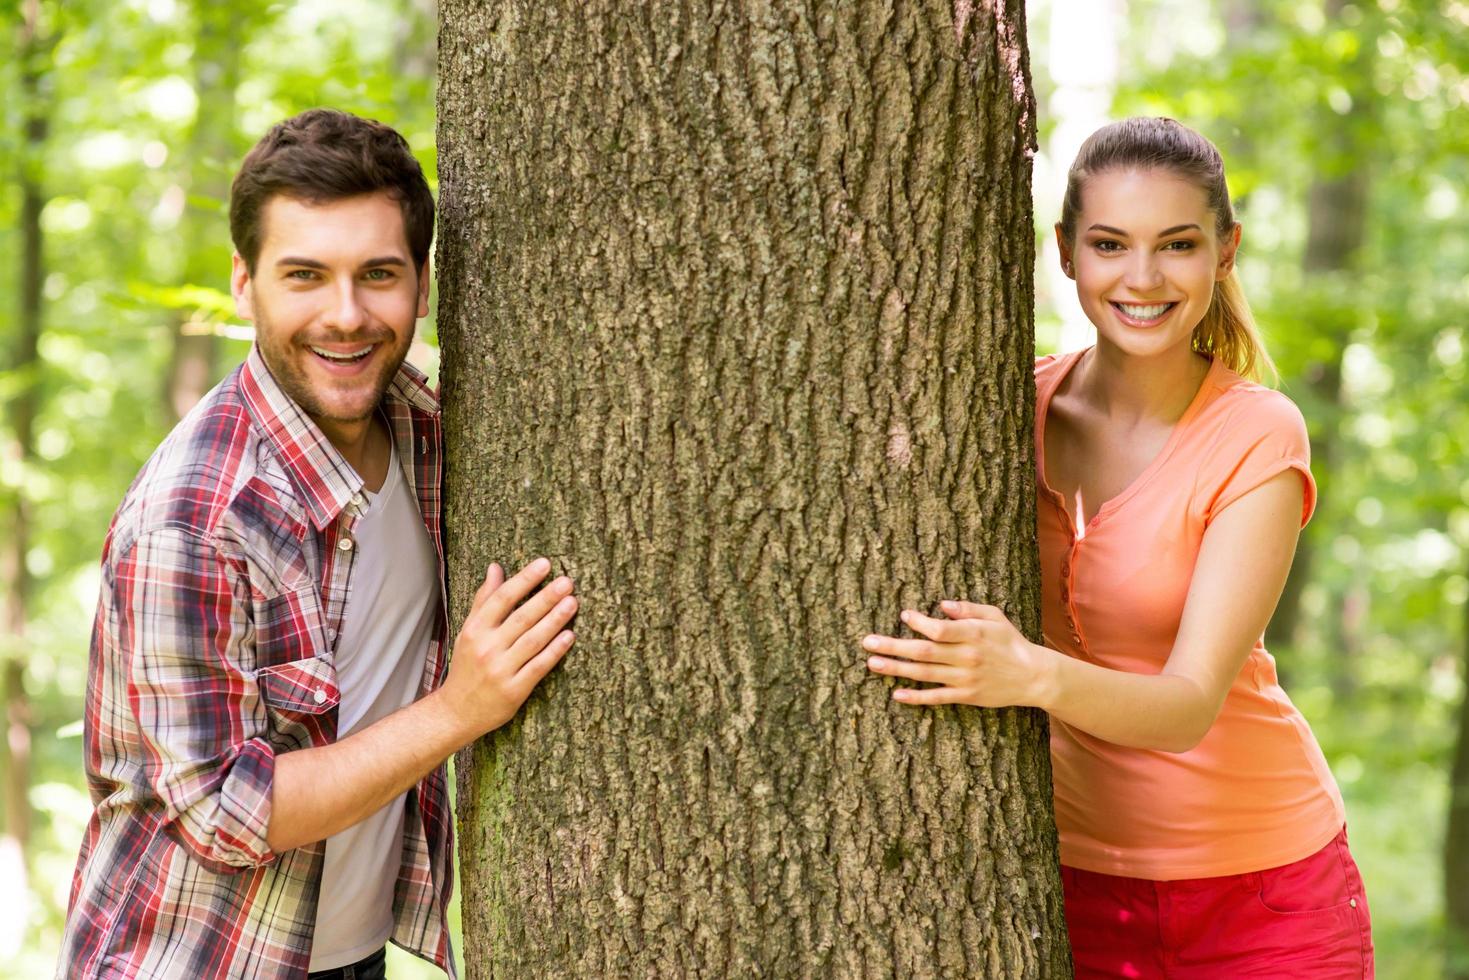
(211,143)
(736,319)
(25,368)
(1336,213)
(1456,843)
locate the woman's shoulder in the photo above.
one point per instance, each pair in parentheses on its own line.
(1050,366)
(1245,414)
(1247,403)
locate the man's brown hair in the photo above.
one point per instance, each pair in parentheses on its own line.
(326,155)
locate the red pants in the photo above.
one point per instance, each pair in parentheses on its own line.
(1306,921)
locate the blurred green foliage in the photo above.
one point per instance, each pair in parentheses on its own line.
(151,103)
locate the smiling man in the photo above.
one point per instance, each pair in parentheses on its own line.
(269,704)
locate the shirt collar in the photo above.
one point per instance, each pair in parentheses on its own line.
(326,481)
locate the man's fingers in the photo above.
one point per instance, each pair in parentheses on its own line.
(509,594)
(894,646)
(542,632)
(535,669)
(533,610)
(494,578)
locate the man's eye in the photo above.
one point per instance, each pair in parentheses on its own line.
(377,275)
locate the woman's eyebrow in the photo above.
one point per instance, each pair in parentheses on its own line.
(1162,234)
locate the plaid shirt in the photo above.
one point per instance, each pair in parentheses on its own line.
(224,577)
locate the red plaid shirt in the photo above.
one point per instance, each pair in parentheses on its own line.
(224,577)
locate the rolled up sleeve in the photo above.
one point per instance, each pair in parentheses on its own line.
(183,630)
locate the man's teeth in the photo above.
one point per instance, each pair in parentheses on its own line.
(343,358)
(1144,312)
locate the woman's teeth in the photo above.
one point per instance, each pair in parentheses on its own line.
(1145,312)
(343,358)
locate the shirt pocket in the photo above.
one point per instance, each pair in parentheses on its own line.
(290,628)
(300,697)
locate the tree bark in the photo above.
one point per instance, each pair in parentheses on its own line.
(736,320)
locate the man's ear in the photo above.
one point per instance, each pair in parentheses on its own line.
(1228,252)
(425,279)
(1065,250)
(240,288)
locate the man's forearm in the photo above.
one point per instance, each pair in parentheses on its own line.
(320,791)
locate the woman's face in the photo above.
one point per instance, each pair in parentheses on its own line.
(1145,259)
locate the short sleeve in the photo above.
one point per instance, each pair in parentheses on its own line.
(1263,437)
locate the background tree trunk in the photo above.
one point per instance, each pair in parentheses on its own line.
(1456,843)
(33,49)
(1336,212)
(736,319)
(192,368)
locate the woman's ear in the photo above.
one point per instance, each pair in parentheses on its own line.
(1065,249)
(1227,253)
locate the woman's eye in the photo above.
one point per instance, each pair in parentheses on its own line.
(1107,245)
(1179,246)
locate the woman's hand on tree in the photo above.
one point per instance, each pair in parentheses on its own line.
(975,656)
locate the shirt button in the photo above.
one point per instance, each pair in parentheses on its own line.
(344,543)
(319,695)
(1065,594)
(331,634)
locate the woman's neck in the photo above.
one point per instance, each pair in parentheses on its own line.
(1129,390)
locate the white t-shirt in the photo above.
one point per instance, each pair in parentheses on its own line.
(386,629)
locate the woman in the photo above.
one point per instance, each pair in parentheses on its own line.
(1202,834)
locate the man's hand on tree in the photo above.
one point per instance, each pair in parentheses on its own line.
(508,644)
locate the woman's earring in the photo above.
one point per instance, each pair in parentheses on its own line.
(1068,268)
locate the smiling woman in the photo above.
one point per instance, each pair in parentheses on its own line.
(1199,822)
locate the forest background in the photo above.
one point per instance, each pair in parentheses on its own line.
(1345,127)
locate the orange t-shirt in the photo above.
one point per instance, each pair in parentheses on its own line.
(1256,792)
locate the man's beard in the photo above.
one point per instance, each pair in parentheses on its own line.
(280,357)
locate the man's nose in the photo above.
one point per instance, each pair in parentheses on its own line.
(347,311)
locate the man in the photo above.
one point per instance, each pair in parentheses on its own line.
(268,707)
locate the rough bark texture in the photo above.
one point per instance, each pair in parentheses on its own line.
(736,319)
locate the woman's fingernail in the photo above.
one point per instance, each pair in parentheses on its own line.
(875,663)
